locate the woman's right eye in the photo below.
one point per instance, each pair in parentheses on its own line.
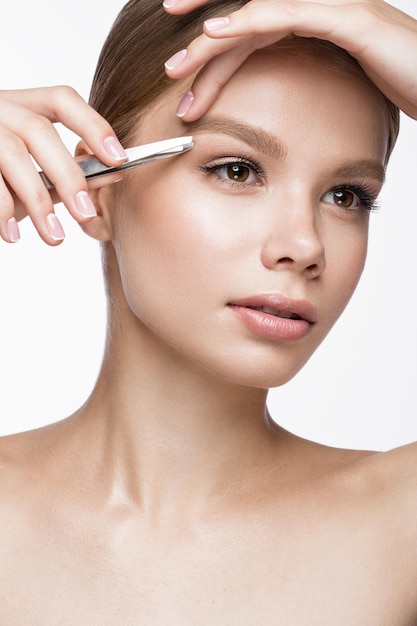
(234,172)
(237,172)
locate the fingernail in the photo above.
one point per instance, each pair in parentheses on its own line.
(176,59)
(54,227)
(185,104)
(85,205)
(217,23)
(167,4)
(13,230)
(115,149)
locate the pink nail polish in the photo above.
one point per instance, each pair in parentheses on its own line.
(185,104)
(13,230)
(54,227)
(176,59)
(217,23)
(115,149)
(85,205)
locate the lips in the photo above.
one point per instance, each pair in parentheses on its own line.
(280,306)
(271,311)
(275,317)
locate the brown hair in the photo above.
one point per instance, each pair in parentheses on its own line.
(130,73)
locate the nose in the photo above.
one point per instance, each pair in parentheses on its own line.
(293,240)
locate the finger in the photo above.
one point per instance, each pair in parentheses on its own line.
(210,81)
(408,102)
(16,165)
(63,104)
(9,229)
(290,17)
(359,27)
(29,132)
(178,7)
(257,25)
(199,52)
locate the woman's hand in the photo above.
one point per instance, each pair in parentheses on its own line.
(382,38)
(26,130)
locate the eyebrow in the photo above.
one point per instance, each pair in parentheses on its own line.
(252,135)
(266,143)
(362,168)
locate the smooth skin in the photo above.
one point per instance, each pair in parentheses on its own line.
(170,497)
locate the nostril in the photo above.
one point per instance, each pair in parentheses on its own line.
(285,259)
(313,269)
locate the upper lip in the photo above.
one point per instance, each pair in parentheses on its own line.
(301,308)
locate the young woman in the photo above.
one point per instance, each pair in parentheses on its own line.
(170,497)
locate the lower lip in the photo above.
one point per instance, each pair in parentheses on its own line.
(270,326)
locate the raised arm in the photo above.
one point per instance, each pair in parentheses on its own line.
(382,38)
(27,130)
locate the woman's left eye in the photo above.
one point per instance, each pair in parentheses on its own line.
(343,197)
(351,198)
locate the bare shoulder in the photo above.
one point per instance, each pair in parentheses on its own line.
(396,472)
(391,474)
(393,471)
(384,486)
(16,459)
(22,453)
(30,486)
(21,461)
(380,486)
(25,480)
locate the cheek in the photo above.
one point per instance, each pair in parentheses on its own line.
(177,221)
(345,260)
(169,242)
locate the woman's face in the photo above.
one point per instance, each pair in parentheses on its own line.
(239,255)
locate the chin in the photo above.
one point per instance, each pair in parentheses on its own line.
(262,380)
(264,375)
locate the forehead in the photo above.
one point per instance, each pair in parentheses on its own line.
(303,98)
(297,96)
(321,79)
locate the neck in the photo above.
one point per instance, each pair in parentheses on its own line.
(170,433)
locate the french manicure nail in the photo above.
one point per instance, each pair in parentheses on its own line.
(169,3)
(115,149)
(54,227)
(85,205)
(217,23)
(176,59)
(13,230)
(185,104)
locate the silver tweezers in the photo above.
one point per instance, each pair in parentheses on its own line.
(93,167)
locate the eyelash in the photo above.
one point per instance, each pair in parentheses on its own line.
(365,195)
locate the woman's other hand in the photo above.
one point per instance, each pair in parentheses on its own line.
(382,38)
(27,130)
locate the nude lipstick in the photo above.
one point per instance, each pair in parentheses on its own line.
(275,317)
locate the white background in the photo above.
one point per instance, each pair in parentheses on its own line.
(359,390)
